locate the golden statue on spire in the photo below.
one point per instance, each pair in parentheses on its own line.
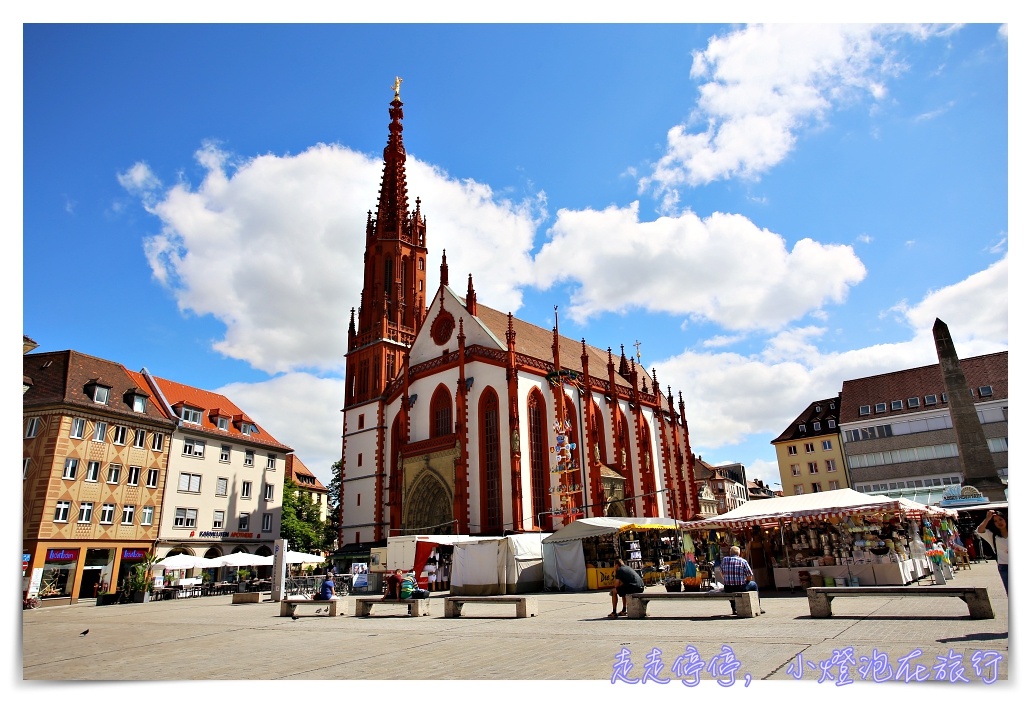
(397,80)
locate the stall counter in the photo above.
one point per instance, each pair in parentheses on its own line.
(867,573)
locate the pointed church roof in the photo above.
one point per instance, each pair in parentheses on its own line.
(535,341)
(393,191)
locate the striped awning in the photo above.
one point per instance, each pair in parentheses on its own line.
(800,508)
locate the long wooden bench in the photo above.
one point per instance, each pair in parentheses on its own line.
(524,606)
(746,602)
(976,598)
(245,597)
(416,608)
(288,607)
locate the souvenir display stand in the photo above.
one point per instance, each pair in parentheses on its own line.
(583,553)
(845,539)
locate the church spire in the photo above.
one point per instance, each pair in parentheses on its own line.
(393,192)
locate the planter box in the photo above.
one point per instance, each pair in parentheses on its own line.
(140,597)
(246,597)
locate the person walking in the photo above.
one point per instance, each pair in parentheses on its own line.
(627,580)
(737,576)
(998,527)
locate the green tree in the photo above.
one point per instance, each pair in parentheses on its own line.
(301,524)
(332,523)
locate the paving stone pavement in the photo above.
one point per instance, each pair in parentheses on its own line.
(209,638)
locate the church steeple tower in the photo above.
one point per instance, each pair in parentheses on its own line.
(393,295)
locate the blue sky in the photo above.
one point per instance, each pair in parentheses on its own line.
(769,210)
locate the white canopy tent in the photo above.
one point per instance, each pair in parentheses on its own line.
(498,566)
(184,561)
(564,563)
(242,559)
(296,557)
(812,507)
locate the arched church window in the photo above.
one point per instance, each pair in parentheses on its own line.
(490,463)
(440,412)
(537,451)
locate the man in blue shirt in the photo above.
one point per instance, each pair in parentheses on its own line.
(328,589)
(737,576)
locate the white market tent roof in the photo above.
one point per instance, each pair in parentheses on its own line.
(595,526)
(815,506)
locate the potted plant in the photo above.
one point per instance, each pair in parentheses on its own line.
(141,583)
(242,574)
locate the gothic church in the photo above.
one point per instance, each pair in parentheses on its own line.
(452,409)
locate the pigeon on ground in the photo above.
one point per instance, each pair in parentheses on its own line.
(84,633)
(295,617)
(318,611)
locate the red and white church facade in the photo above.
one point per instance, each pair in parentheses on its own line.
(452,408)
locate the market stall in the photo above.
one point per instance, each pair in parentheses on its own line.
(581,555)
(838,537)
(503,565)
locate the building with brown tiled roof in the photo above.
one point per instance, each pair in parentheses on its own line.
(809,453)
(308,485)
(453,410)
(225,476)
(95,457)
(897,429)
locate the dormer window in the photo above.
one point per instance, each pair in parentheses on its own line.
(833,405)
(191,415)
(986,391)
(930,400)
(881,406)
(897,405)
(245,428)
(98,392)
(223,423)
(818,408)
(801,428)
(863,410)
(831,423)
(913,402)
(137,399)
(816,426)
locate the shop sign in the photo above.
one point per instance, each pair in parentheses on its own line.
(25,562)
(224,534)
(62,555)
(133,554)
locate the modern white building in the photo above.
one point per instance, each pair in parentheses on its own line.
(897,432)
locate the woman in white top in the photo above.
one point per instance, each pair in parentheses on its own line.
(999,540)
(430,571)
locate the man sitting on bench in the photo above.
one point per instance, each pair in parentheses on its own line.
(627,580)
(738,577)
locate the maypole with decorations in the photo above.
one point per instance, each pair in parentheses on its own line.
(564,449)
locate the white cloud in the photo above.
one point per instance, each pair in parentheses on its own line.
(764,84)
(740,276)
(934,114)
(975,309)
(731,397)
(864,239)
(139,179)
(296,409)
(273,247)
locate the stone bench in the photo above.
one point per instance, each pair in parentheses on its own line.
(416,608)
(746,602)
(245,597)
(288,607)
(976,598)
(524,606)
